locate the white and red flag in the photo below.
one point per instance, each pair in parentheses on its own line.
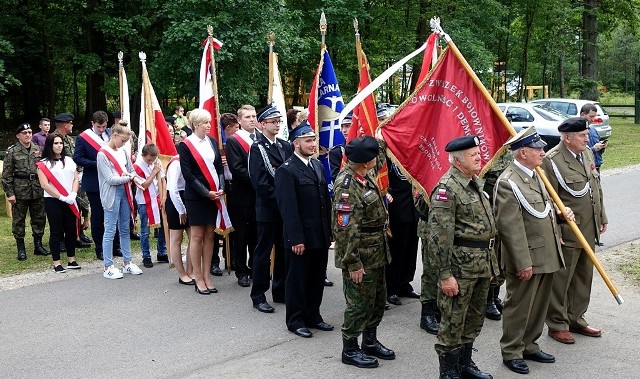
(208,85)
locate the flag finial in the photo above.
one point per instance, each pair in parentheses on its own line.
(210,30)
(436,28)
(143,56)
(271,38)
(120,56)
(323,27)
(355,25)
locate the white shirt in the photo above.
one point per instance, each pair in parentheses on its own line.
(147,170)
(63,174)
(304,160)
(175,184)
(526,170)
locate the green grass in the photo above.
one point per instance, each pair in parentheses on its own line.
(624,144)
(629,263)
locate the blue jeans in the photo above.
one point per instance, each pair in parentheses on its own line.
(119,216)
(144,234)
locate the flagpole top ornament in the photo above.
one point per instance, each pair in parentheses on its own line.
(120,56)
(210,30)
(323,23)
(271,38)
(436,28)
(355,25)
(143,56)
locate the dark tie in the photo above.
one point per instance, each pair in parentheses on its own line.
(579,158)
(253,136)
(312,169)
(101,137)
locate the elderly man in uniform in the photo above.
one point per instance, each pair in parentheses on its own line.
(22,189)
(523,208)
(304,203)
(266,155)
(573,174)
(361,251)
(461,232)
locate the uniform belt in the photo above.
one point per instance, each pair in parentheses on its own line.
(19,175)
(474,243)
(372,229)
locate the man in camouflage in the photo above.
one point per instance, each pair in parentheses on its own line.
(64,127)
(430,314)
(361,251)
(22,189)
(461,232)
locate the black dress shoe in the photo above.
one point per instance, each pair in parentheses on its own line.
(541,357)
(517,365)
(394,299)
(243,281)
(213,290)
(215,271)
(323,326)
(134,236)
(411,294)
(84,238)
(202,292)
(328,283)
(162,258)
(22,256)
(264,307)
(190,283)
(303,332)
(80,244)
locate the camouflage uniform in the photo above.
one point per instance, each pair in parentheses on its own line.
(20,178)
(69,144)
(359,228)
(429,285)
(461,214)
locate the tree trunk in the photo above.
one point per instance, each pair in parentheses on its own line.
(589,53)
(95,96)
(563,91)
(525,48)
(422,31)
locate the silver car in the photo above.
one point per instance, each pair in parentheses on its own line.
(545,119)
(572,108)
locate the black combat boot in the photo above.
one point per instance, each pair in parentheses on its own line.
(496,298)
(372,346)
(490,311)
(38,249)
(428,320)
(352,355)
(22,252)
(468,369)
(449,365)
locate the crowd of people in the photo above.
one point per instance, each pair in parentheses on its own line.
(477,235)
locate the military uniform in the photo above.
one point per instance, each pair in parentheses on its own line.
(430,314)
(20,179)
(578,186)
(359,226)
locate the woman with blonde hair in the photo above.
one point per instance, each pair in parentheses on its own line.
(201,166)
(115,173)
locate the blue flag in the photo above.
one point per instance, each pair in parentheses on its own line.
(329,106)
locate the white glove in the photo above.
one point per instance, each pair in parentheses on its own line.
(72,196)
(63,198)
(70,201)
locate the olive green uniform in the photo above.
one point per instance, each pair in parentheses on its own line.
(429,278)
(359,226)
(460,235)
(20,179)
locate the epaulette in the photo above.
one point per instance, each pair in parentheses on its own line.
(552,153)
(346,181)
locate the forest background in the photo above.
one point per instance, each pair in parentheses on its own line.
(61,56)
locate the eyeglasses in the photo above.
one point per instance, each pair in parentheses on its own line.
(26,132)
(274,122)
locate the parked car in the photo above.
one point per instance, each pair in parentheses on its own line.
(544,118)
(572,108)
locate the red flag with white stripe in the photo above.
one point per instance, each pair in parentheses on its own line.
(208,93)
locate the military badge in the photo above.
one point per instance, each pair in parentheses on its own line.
(441,195)
(344,207)
(593,166)
(343,219)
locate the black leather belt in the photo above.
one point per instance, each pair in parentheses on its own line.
(474,243)
(25,176)
(372,229)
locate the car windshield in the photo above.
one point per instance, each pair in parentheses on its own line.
(550,114)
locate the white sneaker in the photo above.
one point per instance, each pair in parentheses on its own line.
(112,273)
(132,269)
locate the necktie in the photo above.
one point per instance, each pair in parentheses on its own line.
(579,158)
(252,136)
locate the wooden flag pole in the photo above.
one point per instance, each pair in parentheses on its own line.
(271,40)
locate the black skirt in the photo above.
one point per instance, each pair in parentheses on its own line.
(201,212)
(173,217)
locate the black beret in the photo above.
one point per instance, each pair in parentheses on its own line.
(303,130)
(573,124)
(362,149)
(526,137)
(462,143)
(23,127)
(64,117)
(117,114)
(268,113)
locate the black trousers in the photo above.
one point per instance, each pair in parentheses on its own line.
(404,253)
(304,287)
(269,235)
(62,227)
(243,220)
(97,222)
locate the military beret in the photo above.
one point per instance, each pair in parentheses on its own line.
(526,137)
(347,119)
(64,117)
(462,143)
(362,149)
(117,114)
(303,130)
(268,113)
(573,124)
(382,112)
(23,127)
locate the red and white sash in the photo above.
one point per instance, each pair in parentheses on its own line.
(93,139)
(246,145)
(151,197)
(58,186)
(120,170)
(223,222)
